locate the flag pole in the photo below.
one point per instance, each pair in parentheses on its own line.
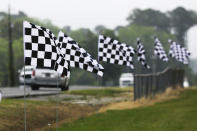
(134,80)
(99,81)
(57,105)
(25,119)
(24,88)
(154,71)
(56,97)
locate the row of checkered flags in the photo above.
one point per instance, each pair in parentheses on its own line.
(43,50)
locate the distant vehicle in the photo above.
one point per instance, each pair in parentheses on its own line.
(44,77)
(185,83)
(27,73)
(126,79)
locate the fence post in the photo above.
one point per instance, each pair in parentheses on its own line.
(147,86)
(134,87)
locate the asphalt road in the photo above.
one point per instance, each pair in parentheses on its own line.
(15,92)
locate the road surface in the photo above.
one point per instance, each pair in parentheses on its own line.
(15,92)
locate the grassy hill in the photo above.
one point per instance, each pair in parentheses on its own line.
(174,115)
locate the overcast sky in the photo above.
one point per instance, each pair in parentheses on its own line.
(89,13)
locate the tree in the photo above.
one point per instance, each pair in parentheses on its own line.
(16,24)
(181,21)
(4,74)
(150,17)
(17,36)
(89,41)
(66,29)
(178,20)
(130,33)
(100,28)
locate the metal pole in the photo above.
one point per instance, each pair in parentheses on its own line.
(134,84)
(25,120)
(11,59)
(154,74)
(25,116)
(57,106)
(100,80)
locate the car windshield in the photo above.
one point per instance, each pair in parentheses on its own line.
(27,68)
(30,69)
(44,68)
(126,75)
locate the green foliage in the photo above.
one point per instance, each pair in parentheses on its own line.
(81,77)
(174,115)
(178,20)
(182,20)
(142,23)
(44,23)
(18,57)
(17,37)
(129,34)
(104,92)
(150,17)
(100,28)
(16,25)
(87,39)
(3,62)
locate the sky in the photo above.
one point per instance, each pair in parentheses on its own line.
(89,13)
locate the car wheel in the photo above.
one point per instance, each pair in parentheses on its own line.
(65,88)
(34,87)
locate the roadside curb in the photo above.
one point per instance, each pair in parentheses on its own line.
(30,95)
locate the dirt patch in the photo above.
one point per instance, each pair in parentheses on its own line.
(39,115)
(86,99)
(168,94)
(41,111)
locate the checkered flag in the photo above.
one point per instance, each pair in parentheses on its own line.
(181,54)
(159,50)
(186,52)
(77,56)
(115,52)
(141,54)
(40,49)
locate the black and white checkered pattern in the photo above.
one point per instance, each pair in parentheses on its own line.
(141,54)
(77,56)
(159,50)
(181,54)
(40,49)
(186,52)
(115,52)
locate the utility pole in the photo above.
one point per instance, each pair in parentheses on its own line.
(11,60)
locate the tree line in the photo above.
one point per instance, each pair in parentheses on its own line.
(141,23)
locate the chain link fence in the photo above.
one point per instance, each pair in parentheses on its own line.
(146,85)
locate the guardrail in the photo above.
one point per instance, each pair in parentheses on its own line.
(150,84)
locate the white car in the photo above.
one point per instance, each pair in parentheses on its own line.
(27,74)
(126,79)
(44,77)
(185,83)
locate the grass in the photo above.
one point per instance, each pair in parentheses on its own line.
(102,92)
(193,87)
(179,114)
(39,114)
